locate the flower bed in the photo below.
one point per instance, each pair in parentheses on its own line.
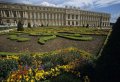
(45,66)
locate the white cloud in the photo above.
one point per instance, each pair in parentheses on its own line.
(104,3)
(26,2)
(47,4)
(87,4)
(115,16)
(78,3)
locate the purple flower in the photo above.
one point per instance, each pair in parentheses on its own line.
(27,67)
(41,67)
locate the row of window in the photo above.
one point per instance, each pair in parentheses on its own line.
(52,9)
(84,23)
(31,15)
(49,16)
(87,13)
(86,18)
(73,16)
(32,8)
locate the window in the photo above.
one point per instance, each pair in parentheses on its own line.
(76,22)
(72,16)
(76,16)
(14,13)
(68,22)
(73,23)
(8,21)
(68,16)
(7,13)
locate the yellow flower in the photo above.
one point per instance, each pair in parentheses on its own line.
(30,71)
(32,80)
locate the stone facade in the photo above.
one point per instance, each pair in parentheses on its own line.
(11,13)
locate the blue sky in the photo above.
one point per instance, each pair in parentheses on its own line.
(108,6)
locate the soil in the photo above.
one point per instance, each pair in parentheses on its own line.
(92,47)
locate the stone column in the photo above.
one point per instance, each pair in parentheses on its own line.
(23,14)
(18,14)
(38,17)
(41,15)
(35,14)
(12,14)
(9,13)
(1,13)
(31,15)
(26,14)
(4,15)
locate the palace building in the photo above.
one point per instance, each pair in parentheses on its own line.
(11,13)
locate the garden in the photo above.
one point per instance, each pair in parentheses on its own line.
(49,54)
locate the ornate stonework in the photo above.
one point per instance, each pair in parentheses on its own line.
(11,13)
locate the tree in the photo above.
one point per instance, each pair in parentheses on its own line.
(87,25)
(29,25)
(20,26)
(108,64)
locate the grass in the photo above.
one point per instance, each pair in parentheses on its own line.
(34,34)
(67,34)
(23,39)
(13,37)
(76,37)
(55,30)
(7,53)
(39,34)
(17,38)
(44,39)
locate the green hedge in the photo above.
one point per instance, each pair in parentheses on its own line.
(43,39)
(23,39)
(12,37)
(39,34)
(76,37)
(17,38)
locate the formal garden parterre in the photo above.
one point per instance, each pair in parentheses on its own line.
(48,54)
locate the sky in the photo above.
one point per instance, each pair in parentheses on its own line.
(107,6)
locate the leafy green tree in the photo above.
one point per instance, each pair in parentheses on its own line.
(29,25)
(20,26)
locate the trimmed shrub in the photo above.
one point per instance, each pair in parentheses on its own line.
(77,37)
(20,26)
(23,39)
(13,37)
(17,38)
(43,39)
(29,25)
